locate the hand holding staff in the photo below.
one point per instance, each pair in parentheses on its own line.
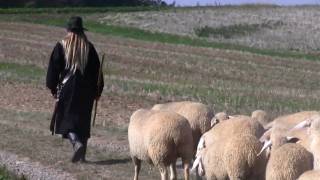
(98,85)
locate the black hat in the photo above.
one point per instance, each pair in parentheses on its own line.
(75,24)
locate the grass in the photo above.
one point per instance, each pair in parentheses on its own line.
(231,31)
(6,175)
(19,72)
(139,34)
(222,99)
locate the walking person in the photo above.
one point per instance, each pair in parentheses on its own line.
(72,78)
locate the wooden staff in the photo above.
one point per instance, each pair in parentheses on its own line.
(98,85)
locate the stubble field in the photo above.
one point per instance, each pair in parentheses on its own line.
(138,74)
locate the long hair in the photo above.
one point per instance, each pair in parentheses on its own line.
(76,50)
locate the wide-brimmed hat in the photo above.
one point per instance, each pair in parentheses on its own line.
(75,24)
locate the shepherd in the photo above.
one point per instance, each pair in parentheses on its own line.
(72,77)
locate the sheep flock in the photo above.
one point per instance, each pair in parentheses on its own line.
(219,146)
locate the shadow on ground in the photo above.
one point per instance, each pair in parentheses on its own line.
(110,161)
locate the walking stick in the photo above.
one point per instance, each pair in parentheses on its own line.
(98,85)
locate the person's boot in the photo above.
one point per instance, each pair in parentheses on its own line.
(83,156)
(77,147)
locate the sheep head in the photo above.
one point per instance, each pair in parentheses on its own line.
(221,116)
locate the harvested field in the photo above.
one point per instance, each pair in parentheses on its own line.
(286,28)
(138,74)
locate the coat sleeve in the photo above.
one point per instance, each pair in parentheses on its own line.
(55,67)
(95,58)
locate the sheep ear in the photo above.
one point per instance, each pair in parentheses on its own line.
(201,144)
(266,145)
(292,139)
(201,171)
(196,163)
(265,136)
(214,121)
(302,125)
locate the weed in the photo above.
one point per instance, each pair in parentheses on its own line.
(235,30)
(6,175)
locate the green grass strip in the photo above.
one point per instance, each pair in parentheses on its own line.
(20,72)
(6,175)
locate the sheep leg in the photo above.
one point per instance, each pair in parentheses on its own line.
(163,172)
(173,171)
(186,165)
(137,167)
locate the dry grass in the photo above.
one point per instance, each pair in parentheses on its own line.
(236,81)
(297,29)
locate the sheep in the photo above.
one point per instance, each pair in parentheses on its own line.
(241,160)
(200,116)
(222,149)
(310,175)
(220,116)
(287,122)
(288,162)
(237,125)
(261,116)
(160,137)
(314,135)
(283,124)
(235,158)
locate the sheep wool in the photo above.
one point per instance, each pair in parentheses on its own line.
(241,160)
(236,126)
(198,115)
(234,158)
(262,117)
(310,175)
(229,144)
(160,137)
(288,162)
(315,143)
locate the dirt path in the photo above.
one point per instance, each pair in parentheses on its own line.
(34,152)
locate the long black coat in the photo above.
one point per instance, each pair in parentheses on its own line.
(77,96)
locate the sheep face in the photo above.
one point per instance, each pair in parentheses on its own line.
(221,116)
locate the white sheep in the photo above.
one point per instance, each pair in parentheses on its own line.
(230,149)
(200,116)
(288,160)
(160,137)
(262,117)
(218,117)
(315,141)
(283,125)
(288,121)
(236,125)
(314,132)
(310,175)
